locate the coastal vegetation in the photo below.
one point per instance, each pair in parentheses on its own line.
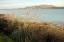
(13,30)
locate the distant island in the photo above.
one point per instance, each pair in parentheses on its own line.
(44,7)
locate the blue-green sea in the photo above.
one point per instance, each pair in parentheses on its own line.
(48,15)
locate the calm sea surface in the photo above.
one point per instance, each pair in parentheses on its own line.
(43,14)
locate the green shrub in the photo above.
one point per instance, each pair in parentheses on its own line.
(6,26)
(3,24)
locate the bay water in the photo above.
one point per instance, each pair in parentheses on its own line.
(47,15)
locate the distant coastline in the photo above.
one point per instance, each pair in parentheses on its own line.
(39,7)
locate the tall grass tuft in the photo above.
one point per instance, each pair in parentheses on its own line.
(24,35)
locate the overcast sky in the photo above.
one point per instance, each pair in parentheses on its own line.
(8,4)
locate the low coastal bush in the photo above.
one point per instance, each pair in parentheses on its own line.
(38,34)
(32,33)
(3,24)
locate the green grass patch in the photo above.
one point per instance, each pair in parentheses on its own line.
(5,39)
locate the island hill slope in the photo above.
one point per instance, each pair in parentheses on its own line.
(43,7)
